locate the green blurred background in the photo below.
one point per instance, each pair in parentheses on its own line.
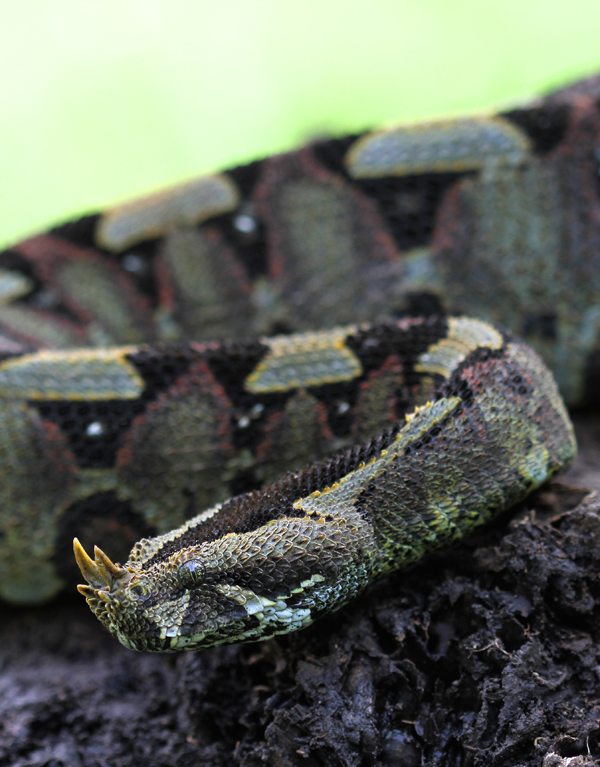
(104,99)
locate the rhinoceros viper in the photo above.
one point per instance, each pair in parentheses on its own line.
(123,417)
(492,428)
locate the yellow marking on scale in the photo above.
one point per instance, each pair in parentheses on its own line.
(444,146)
(83,374)
(13,285)
(305,359)
(157,214)
(464,336)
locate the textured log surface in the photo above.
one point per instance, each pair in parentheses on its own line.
(486,654)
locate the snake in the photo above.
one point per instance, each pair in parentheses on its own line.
(349,312)
(272,561)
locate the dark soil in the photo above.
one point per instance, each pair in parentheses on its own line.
(486,654)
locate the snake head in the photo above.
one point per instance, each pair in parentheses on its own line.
(238,588)
(106,582)
(144,609)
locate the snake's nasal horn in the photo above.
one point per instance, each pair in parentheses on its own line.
(99,572)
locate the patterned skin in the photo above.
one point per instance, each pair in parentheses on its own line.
(271,562)
(497,217)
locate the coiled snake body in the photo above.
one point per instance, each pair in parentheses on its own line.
(123,418)
(493,428)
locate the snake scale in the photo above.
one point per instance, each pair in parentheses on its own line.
(127,415)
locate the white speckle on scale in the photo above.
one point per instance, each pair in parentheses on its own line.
(94,429)
(254,413)
(133,263)
(245,223)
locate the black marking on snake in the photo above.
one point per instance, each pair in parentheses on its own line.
(143,275)
(158,368)
(409,204)
(375,345)
(74,419)
(80,232)
(332,396)
(546,125)
(231,363)
(249,245)
(249,512)
(331,153)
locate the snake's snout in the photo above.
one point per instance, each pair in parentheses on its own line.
(100,572)
(106,585)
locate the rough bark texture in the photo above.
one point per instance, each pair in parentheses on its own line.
(487,654)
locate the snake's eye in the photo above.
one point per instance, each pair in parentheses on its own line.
(138,590)
(191,573)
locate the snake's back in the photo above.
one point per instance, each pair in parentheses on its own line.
(492,428)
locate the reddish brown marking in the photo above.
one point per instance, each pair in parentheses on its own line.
(274,434)
(199,381)
(372,238)
(49,252)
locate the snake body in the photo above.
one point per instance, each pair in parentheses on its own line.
(125,410)
(272,561)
